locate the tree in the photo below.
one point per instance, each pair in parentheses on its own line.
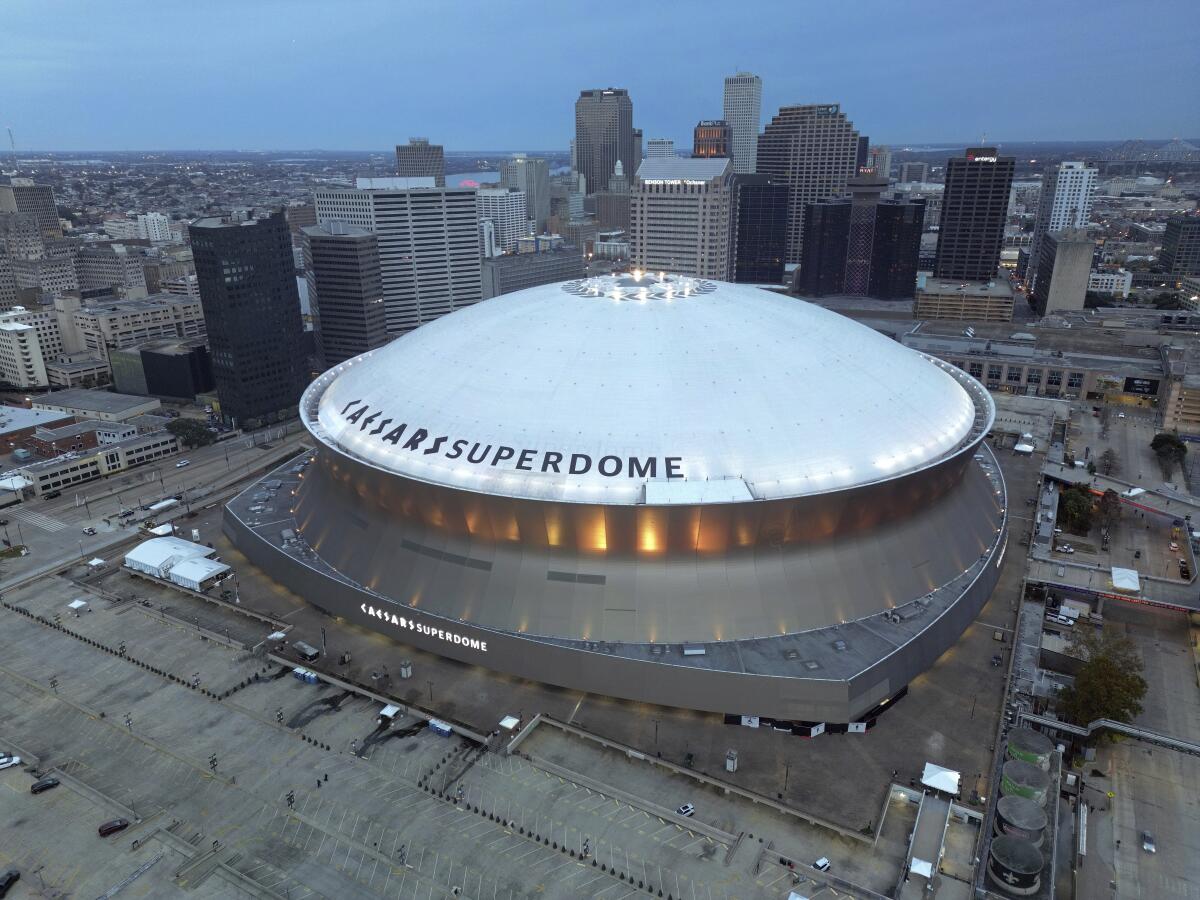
(1108,461)
(1170,451)
(1109,685)
(191,432)
(1075,509)
(1110,507)
(1167,300)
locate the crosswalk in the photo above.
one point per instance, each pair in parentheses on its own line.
(38,520)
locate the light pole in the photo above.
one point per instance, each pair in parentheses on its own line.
(430,683)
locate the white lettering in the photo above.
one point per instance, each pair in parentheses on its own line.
(413,625)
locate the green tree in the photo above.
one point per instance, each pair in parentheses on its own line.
(1075,509)
(1110,684)
(1110,507)
(1108,461)
(1170,451)
(1167,300)
(191,432)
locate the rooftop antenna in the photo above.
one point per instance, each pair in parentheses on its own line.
(12,142)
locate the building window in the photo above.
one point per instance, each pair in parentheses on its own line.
(1054,378)
(1034,376)
(994,372)
(1075,380)
(1013,376)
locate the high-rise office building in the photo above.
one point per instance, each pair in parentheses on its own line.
(913,172)
(638,153)
(506,209)
(743,112)
(760,208)
(659,148)
(814,150)
(712,138)
(24,196)
(531,175)
(974,211)
(862,245)
(110,266)
(1064,267)
(879,158)
(21,235)
(421,159)
(428,243)
(861,157)
(680,217)
(612,205)
(345,289)
(154,227)
(1068,192)
(603,135)
(8,281)
(1180,256)
(518,271)
(252,316)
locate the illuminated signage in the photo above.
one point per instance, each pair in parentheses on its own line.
(990,159)
(403,622)
(1147,387)
(421,441)
(672,181)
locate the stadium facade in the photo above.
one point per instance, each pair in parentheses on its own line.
(651,487)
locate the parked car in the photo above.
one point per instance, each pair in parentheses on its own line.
(50,495)
(43,784)
(1173,547)
(7,880)
(686,810)
(822,864)
(1148,842)
(7,760)
(112,826)
(89,531)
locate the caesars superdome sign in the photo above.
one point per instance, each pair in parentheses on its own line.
(375,423)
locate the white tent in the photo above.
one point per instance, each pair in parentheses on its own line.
(945,780)
(1025,449)
(1126,580)
(921,867)
(157,555)
(197,573)
(78,604)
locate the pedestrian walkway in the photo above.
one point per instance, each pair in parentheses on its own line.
(37,519)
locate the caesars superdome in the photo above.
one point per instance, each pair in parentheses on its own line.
(652,487)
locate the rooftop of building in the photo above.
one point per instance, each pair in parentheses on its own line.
(17,418)
(994,290)
(669,168)
(335,228)
(99,306)
(63,432)
(83,364)
(95,400)
(56,461)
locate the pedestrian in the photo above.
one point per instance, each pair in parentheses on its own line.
(326,776)
(318,784)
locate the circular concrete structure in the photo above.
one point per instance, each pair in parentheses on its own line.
(653,487)
(1015,865)
(1030,746)
(1022,779)
(1021,817)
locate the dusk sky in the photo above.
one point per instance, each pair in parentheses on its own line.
(364,74)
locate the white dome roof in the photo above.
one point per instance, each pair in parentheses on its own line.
(652,390)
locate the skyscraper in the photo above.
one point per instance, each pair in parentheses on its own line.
(421,159)
(657,148)
(913,172)
(862,245)
(345,288)
(680,217)
(506,209)
(974,210)
(814,150)
(22,195)
(712,138)
(879,158)
(252,316)
(603,135)
(1068,191)
(760,207)
(1064,265)
(743,112)
(1180,255)
(428,244)
(531,175)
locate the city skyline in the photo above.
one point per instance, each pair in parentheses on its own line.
(269,67)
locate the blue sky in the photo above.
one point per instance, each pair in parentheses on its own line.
(363,74)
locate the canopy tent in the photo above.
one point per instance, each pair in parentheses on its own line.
(1126,580)
(940,779)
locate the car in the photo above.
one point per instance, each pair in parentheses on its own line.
(997,661)
(182,463)
(1058,531)
(3,522)
(1148,842)
(1174,547)
(7,880)
(7,760)
(89,531)
(686,810)
(50,495)
(1120,415)
(43,784)
(112,826)
(822,864)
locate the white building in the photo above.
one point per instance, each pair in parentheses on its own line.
(21,362)
(154,227)
(531,175)
(428,243)
(1116,283)
(101,327)
(657,148)
(879,158)
(743,112)
(1068,191)
(507,210)
(680,217)
(122,229)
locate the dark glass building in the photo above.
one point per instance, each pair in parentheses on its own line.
(712,138)
(974,211)
(345,288)
(862,245)
(1180,255)
(760,228)
(251,306)
(604,134)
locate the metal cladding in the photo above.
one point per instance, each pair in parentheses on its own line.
(1024,780)
(1015,865)
(1021,817)
(664,489)
(1030,746)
